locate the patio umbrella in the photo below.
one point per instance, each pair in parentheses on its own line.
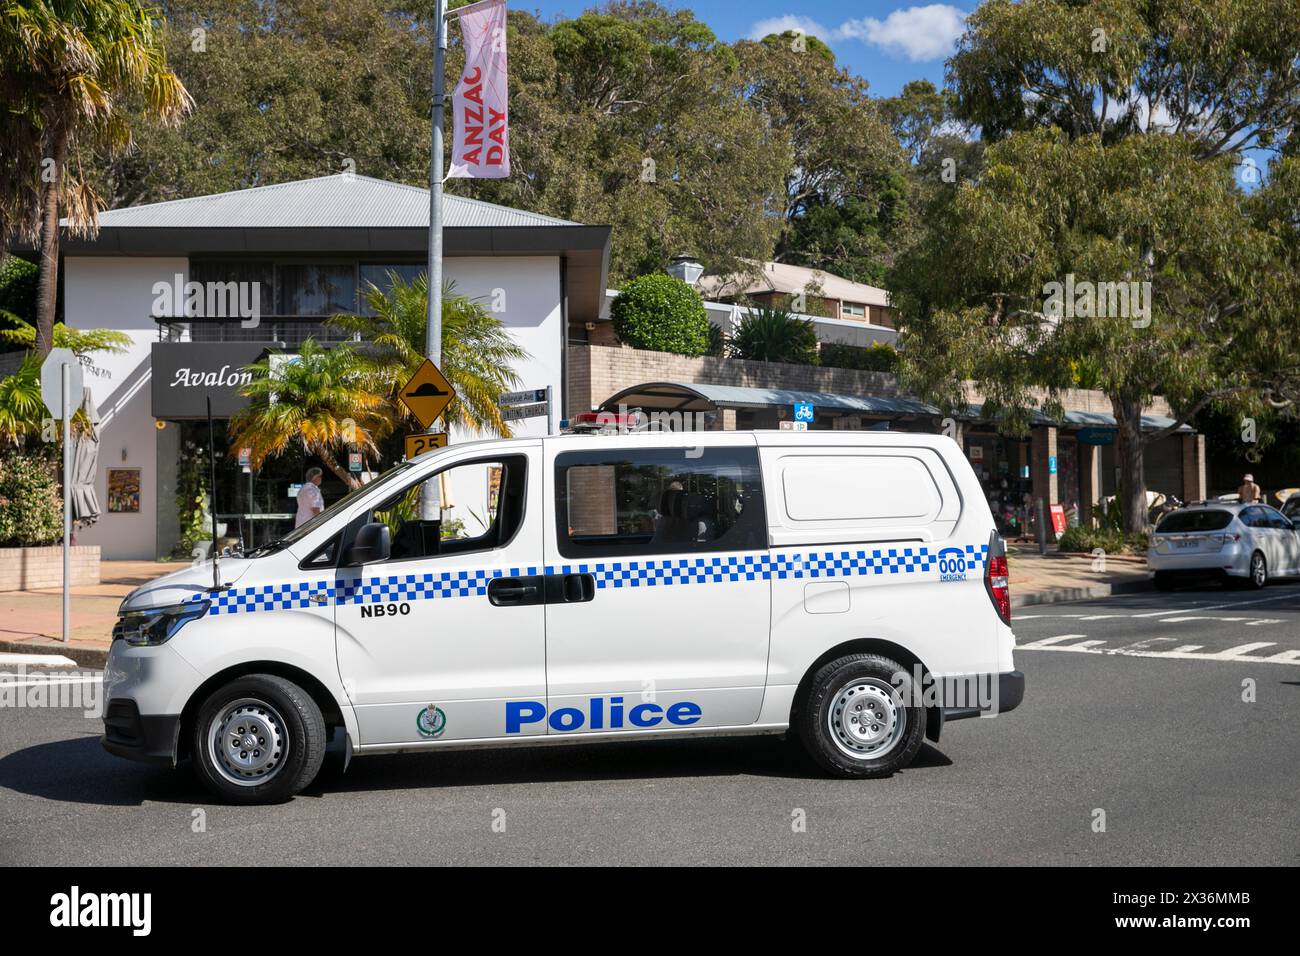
(85,463)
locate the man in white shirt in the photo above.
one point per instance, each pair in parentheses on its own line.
(310,500)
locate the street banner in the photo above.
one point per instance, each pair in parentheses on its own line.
(480,141)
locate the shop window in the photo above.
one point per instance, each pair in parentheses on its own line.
(316,289)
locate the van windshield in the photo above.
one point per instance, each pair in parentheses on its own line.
(1207,520)
(297,534)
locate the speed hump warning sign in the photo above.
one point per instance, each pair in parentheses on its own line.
(427,394)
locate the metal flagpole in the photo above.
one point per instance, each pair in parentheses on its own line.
(430,509)
(66,374)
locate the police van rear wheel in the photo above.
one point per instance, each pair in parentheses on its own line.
(856,721)
(259,739)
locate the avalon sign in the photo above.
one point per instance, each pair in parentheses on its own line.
(186,374)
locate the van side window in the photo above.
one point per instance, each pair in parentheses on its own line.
(658,501)
(482,507)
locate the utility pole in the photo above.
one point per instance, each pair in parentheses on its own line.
(430,503)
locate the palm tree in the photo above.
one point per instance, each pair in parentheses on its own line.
(326,399)
(21,408)
(477,351)
(71,72)
(774,335)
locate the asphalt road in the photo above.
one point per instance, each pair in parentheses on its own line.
(1134,707)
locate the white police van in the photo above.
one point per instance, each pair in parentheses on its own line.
(849,587)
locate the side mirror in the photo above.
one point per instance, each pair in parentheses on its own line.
(374,542)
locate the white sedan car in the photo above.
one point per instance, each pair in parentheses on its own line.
(1249,543)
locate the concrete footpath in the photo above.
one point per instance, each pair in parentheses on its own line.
(30,621)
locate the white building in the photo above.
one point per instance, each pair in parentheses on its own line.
(310,246)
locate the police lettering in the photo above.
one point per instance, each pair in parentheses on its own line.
(602,714)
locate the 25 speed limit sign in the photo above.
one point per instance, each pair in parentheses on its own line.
(420,443)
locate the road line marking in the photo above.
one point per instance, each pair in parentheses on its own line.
(1244,649)
(1045,642)
(37,660)
(1286,657)
(1083,644)
(1186,648)
(53,682)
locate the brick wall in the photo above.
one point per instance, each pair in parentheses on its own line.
(26,569)
(598,371)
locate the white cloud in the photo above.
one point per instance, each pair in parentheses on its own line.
(917,33)
(790,21)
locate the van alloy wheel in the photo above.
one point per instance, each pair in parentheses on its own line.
(866,719)
(248,742)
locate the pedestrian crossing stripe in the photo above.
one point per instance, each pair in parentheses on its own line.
(1185,652)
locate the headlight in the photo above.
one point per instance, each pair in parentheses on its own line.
(157,625)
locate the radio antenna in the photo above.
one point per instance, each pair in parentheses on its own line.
(212,501)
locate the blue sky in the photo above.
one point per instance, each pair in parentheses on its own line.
(887,43)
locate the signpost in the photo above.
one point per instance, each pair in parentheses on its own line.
(427,394)
(530,403)
(61,391)
(421,442)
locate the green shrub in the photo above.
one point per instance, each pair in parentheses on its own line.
(662,314)
(878,357)
(1109,540)
(774,335)
(31,511)
(18,279)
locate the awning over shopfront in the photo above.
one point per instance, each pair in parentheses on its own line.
(704,397)
(1076,419)
(701,397)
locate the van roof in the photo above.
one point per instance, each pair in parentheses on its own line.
(766,438)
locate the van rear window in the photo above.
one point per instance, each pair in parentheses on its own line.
(1198,520)
(859,488)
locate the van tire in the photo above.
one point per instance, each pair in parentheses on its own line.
(870,678)
(263,706)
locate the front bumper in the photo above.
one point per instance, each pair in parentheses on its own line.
(151,738)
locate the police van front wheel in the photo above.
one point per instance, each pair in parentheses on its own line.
(258,739)
(856,721)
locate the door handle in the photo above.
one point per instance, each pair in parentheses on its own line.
(570,588)
(512,592)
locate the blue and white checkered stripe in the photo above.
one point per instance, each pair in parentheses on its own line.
(720,569)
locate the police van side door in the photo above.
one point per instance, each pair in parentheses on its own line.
(661,615)
(433,642)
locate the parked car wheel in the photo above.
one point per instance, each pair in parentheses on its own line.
(258,739)
(856,721)
(1258,576)
(1163,581)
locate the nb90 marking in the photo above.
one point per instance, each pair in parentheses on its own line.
(385,610)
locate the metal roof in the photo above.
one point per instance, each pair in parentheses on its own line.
(342,201)
(1078,419)
(692,397)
